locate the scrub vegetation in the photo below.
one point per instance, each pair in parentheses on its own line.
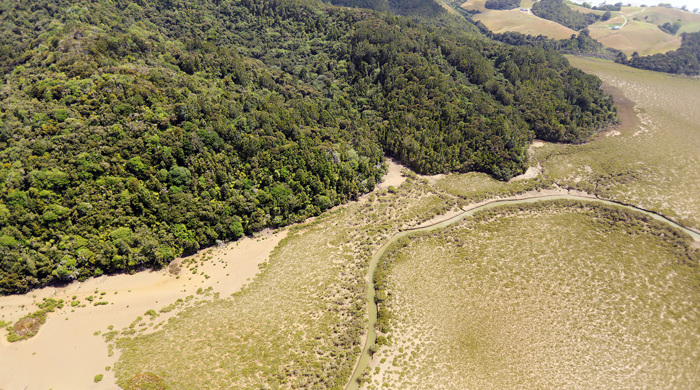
(652,160)
(298,324)
(547,295)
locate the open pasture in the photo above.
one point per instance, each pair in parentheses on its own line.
(522,22)
(644,38)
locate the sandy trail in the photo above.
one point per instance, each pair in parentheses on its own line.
(66,354)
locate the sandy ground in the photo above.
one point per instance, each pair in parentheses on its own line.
(393,177)
(66,354)
(531,173)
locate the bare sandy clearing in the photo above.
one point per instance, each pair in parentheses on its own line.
(393,177)
(531,173)
(66,355)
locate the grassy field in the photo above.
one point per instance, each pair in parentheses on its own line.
(298,324)
(661,15)
(644,38)
(561,295)
(477,5)
(516,20)
(526,23)
(650,161)
(640,34)
(584,10)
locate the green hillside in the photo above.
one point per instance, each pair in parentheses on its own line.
(132,132)
(558,11)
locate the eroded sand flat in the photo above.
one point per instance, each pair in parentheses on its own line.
(66,354)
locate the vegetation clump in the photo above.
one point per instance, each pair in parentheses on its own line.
(144,381)
(502,4)
(28,326)
(558,11)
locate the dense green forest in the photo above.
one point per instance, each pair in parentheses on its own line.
(133,132)
(425,10)
(502,4)
(558,11)
(684,60)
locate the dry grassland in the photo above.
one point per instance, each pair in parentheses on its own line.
(477,5)
(549,295)
(585,10)
(298,324)
(652,159)
(661,15)
(526,23)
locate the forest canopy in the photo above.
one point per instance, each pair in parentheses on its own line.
(558,11)
(134,132)
(502,4)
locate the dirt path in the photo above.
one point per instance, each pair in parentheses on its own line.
(625,17)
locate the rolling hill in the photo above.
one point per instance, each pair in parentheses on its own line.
(640,32)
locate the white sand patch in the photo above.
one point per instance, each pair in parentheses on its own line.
(66,355)
(393,176)
(531,173)
(534,145)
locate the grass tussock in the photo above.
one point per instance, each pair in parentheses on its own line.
(145,381)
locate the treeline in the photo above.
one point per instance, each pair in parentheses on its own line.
(558,11)
(604,7)
(581,44)
(684,60)
(670,28)
(418,9)
(133,132)
(502,4)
